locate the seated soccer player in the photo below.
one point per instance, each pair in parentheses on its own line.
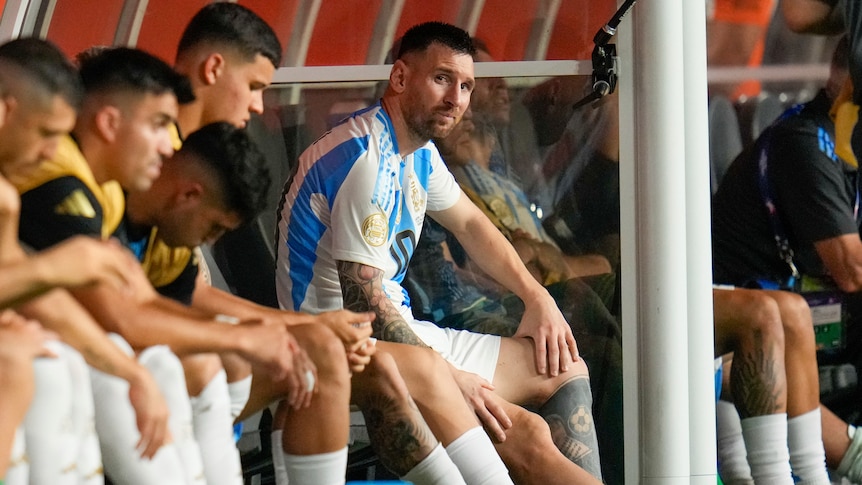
(348,226)
(41,93)
(212,185)
(121,135)
(230,54)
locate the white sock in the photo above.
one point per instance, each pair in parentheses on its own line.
(239,392)
(167,370)
(320,469)
(278,457)
(89,456)
(807,457)
(118,433)
(51,444)
(851,463)
(732,461)
(213,427)
(436,469)
(766,442)
(477,460)
(18,471)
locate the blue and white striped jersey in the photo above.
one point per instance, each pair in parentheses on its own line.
(354,198)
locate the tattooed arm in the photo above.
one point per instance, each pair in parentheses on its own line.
(362,290)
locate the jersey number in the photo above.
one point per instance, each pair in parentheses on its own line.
(402,252)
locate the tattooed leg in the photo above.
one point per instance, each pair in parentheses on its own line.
(569,413)
(757,376)
(398,434)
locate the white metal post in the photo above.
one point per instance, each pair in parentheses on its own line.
(660,223)
(699,247)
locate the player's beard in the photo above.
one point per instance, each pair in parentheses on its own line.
(425,126)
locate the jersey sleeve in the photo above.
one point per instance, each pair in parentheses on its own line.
(364,212)
(57,210)
(443,190)
(810,186)
(183,287)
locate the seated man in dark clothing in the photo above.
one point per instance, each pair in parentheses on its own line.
(785,217)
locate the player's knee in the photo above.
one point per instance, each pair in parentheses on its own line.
(164,366)
(797,318)
(530,441)
(381,378)
(763,316)
(327,352)
(430,363)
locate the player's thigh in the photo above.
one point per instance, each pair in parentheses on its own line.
(516,378)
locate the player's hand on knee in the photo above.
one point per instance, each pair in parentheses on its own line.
(303,379)
(151,413)
(360,357)
(353,329)
(479,394)
(555,346)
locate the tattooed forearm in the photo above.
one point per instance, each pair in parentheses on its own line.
(757,380)
(362,291)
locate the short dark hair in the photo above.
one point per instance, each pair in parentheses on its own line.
(119,69)
(420,37)
(235,26)
(45,68)
(481,45)
(228,153)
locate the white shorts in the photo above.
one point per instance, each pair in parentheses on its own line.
(468,351)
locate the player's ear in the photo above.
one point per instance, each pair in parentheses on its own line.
(6,104)
(212,68)
(107,121)
(190,193)
(398,76)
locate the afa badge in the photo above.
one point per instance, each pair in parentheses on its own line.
(375,230)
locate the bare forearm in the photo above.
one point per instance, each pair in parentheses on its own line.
(159,321)
(362,290)
(494,255)
(58,311)
(22,280)
(215,301)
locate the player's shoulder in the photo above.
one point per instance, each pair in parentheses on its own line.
(67,162)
